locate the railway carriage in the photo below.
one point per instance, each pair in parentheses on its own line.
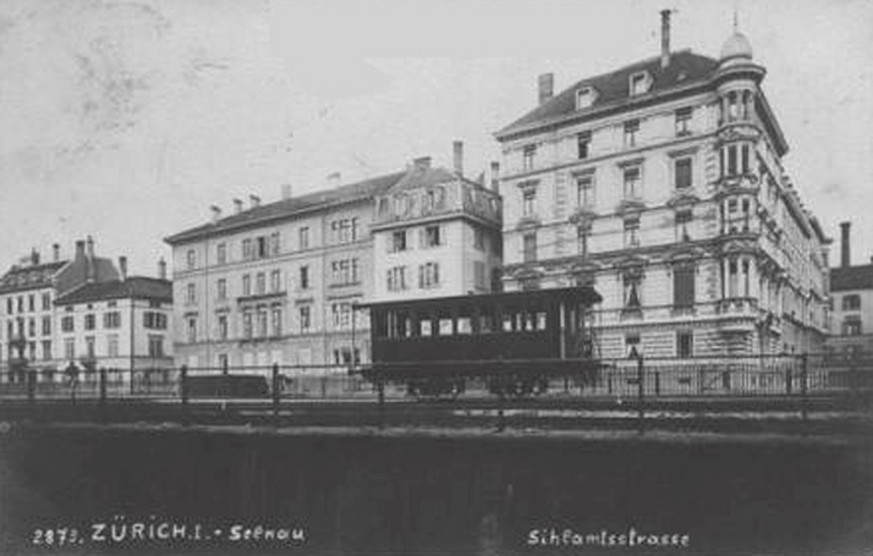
(513,341)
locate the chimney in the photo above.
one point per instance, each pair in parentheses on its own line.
(421,163)
(665,38)
(216,213)
(162,269)
(122,266)
(254,200)
(845,247)
(286,191)
(458,157)
(495,177)
(334,179)
(90,265)
(546,86)
(237,206)
(80,249)
(56,252)
(90,246)
(34,257)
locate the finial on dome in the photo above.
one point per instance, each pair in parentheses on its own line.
(737,45)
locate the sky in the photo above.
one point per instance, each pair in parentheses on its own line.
(127,120)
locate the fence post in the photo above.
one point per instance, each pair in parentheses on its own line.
(276,394)
(183,392)
(640,394)
(31,387)
(803,386)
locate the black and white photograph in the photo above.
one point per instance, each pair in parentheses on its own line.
(436,277)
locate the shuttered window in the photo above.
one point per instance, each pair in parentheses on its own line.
(683,286)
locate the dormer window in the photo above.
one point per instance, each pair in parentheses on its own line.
(585,98)
(640,83)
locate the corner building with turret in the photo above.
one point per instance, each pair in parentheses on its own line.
(661,184)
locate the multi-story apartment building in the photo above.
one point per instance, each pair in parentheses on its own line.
(436,234)
(661,183)
(852,294)
(118,324)
(28,292)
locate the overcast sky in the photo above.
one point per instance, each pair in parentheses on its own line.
(126,120)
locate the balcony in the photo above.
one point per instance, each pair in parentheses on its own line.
(738,307)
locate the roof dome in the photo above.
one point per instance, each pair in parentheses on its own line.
(737,46)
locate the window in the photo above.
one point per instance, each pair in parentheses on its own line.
(397,278)
(639,83)
(156,346)
(46,350)
(685,344)
(632,293)
(530,247)
(46,326)
(584,191)
(683,219)
(632,345)
(852,326)
(261,283)
(432,236)
(20,304)
(745,159)
(275,281)
(398,241)
(221,253)
(582,234)
(246,285)
(341,315)
(276,314)
(732,160)
(584,98)
(529,154)
(851,302)
(344,231)
(631,128)
(31,327)
(683,286)
(305,318)
(262,322)
(479,275)
(90,322)
(191,258)
(632,232)
(274,243)
(304,277)
(248,250)
(632,183)
(89,347)
(192,329)
(31,303)
(112,320)
(583,140)
(429,275)
(528,202)
(221,288)
(9,307)
(344,272)
(682,170)
(155,321)
(112,345)
(70,348)
(683,121)
(478,239)
(248,329)
(303,234)
(222,327)
(46,301)
(191,296)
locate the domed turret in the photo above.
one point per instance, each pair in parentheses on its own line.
(737,46)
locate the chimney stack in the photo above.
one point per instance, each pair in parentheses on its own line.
(162,269)
(90,263)
(122,266)
(237,206)
(80,249)
(495,177)
(254,200)
(665,38)
(90,244)
(34,257)
(334,179)
(458,157)
(546,86)
(56,252)
(216,213)
(845,259)
(286,191)
(421,163)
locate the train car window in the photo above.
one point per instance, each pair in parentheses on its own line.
(445,327)
(541,320)
(464,326)
(407,327)
(426,327)
(529,321)
(486,324)
(507,322)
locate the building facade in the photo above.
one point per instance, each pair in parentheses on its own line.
(436,234)
(661,184)
(852,294)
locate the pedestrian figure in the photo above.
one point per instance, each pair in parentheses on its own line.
(72,372)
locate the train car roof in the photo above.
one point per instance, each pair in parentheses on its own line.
(585,294)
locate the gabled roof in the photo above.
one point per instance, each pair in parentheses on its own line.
(136,287)
(281,209)
(612,89)
(21,278)
(852,278)
(417,177)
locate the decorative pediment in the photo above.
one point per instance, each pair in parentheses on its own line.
(683,199)
(739,246)
(630,205)
(527,223)
(528,185)
(631,268)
